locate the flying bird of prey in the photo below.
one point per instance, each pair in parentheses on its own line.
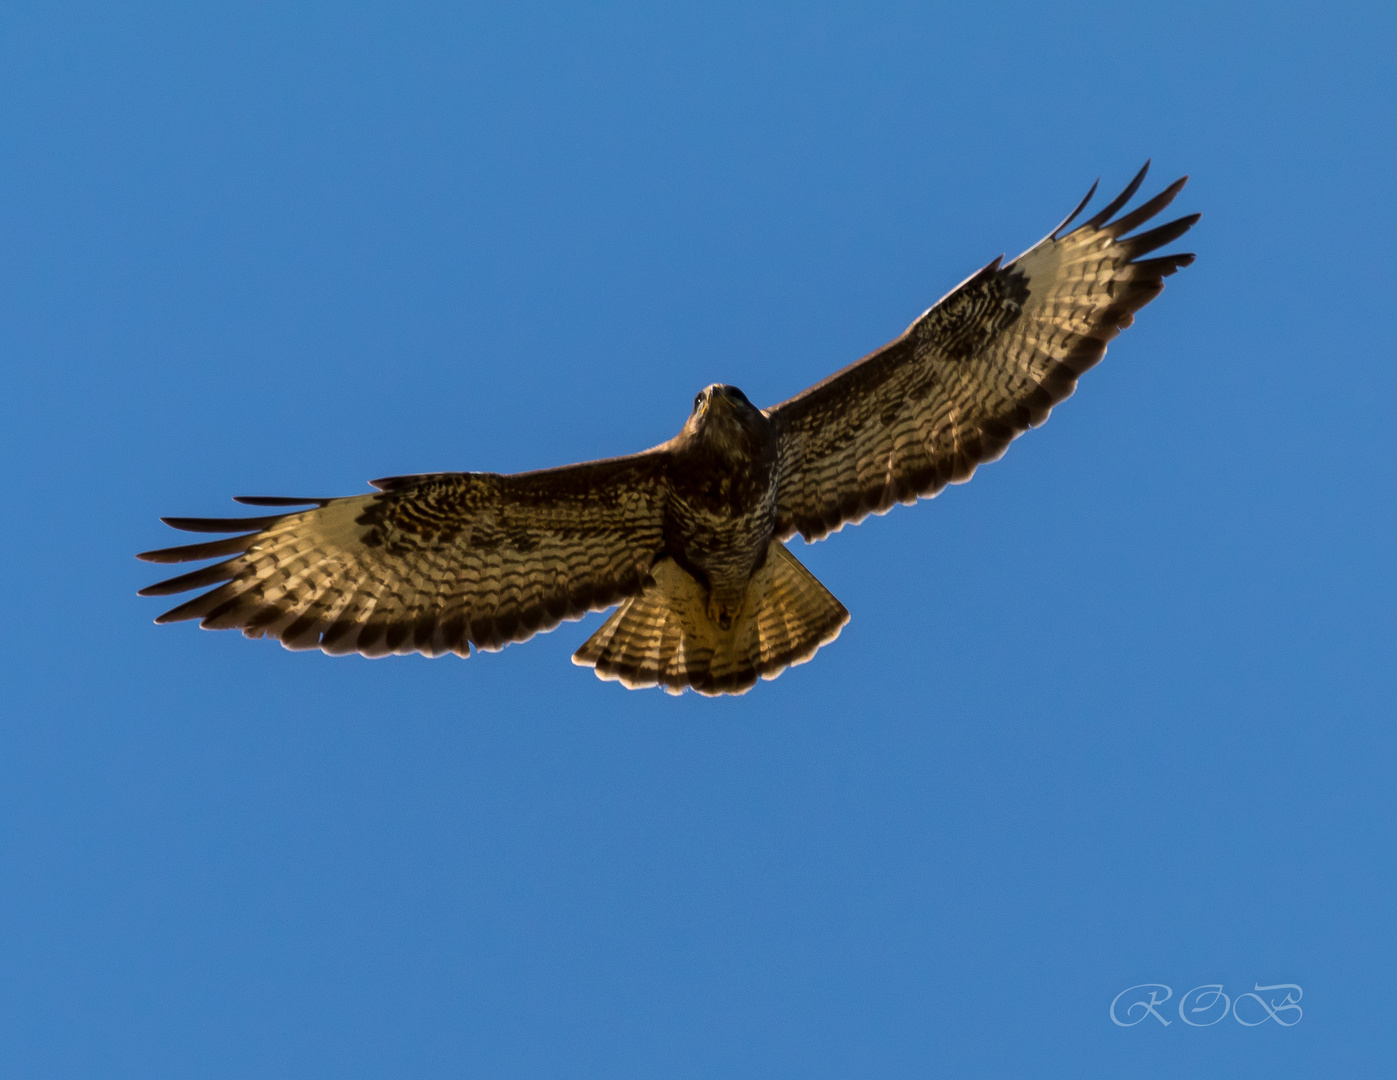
(688,537)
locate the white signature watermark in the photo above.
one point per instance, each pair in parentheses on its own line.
(1206,1005)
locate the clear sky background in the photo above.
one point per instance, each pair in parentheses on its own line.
(1119,711)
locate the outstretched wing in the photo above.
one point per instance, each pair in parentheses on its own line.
(973,373)
(431,564)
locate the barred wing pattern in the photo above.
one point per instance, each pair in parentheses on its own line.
(431,564)
(973,373)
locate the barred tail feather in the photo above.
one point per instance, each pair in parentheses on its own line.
(664,637)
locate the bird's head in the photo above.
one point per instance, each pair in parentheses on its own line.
(725,419)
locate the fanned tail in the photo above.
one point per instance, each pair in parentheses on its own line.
(664,637)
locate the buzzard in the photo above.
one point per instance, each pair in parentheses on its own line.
(688,537)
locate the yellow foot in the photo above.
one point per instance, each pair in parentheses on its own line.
(719,614)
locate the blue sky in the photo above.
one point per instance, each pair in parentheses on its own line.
(1119,711)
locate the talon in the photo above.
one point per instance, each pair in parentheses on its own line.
(719,614)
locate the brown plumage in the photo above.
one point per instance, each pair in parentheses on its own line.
(687,536)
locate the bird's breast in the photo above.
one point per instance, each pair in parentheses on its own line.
(721,516)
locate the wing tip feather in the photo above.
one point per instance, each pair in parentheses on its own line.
(279,500)
(1104,215)
(1073,216)
(222,525)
